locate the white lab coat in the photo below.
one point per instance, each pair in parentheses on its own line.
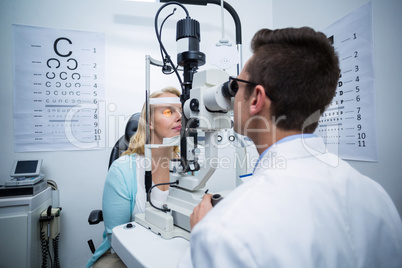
(303,207)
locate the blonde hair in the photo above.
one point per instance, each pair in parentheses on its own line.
(137,141)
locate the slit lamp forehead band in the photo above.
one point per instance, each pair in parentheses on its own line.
(170,100)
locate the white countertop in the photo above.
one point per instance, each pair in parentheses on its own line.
(140,247)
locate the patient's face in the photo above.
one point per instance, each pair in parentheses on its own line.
(165,120)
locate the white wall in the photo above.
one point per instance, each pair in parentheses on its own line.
(130,36)
(387,71)
(129,31)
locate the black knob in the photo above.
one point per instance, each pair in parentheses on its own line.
(194,123)
(215,199)
(195,105)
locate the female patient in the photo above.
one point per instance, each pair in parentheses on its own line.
(124,191)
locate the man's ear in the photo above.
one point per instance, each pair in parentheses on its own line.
(258,100)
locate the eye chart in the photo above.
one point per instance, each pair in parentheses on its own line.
(59,93)
(348,126)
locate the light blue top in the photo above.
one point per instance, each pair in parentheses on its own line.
(118,200)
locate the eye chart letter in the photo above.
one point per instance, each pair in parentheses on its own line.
(348,126)
(59,89)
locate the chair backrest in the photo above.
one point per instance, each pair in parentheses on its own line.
(122,144)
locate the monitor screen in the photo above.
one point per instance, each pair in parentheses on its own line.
(24,168)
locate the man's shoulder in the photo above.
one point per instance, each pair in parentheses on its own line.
(238,205)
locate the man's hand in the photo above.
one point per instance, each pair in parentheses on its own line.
(201,210)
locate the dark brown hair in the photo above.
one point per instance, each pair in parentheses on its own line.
(300,69)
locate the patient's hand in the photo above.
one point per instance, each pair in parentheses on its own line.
(201,210)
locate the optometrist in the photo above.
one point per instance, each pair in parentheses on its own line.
(312,210)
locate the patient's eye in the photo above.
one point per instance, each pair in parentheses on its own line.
(167,112)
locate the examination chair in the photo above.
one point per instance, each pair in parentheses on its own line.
(96,216)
